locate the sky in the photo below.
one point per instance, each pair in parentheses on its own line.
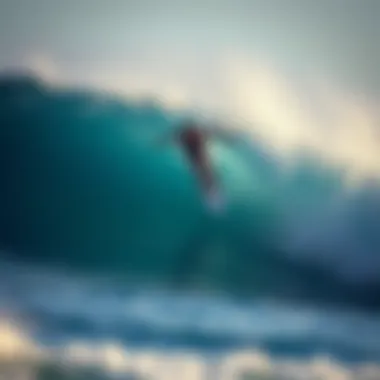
(302,74)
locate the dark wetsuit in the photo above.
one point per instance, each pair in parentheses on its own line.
(194,142)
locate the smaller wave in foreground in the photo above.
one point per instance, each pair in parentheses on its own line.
(21,357)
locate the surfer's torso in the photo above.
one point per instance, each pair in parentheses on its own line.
(193,142)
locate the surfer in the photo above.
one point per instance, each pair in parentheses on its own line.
(194,142)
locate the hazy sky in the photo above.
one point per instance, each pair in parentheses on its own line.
(307,71)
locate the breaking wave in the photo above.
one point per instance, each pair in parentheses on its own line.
(84,186)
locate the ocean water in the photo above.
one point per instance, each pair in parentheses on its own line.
(111,267)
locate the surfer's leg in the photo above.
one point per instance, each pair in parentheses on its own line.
(204,172)
(211,192)
(214,200)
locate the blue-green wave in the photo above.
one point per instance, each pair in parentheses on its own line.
(83,185)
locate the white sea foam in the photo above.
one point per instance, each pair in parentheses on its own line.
(69,297)
(114,359)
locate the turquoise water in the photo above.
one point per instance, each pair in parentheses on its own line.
(105,238)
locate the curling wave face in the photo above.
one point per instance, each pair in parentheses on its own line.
(85,188)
